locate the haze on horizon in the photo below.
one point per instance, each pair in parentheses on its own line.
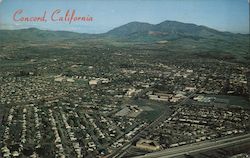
(222,15)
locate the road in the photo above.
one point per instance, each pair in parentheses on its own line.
(198,147)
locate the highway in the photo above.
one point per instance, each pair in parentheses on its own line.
(198,147)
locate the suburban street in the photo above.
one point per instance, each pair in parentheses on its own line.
(162,117)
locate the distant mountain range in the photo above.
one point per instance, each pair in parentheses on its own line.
(134,31)
(34,34)
(168,36)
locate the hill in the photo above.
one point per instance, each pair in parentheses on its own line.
(170,35)
(34,34)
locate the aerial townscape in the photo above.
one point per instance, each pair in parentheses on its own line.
(140,90)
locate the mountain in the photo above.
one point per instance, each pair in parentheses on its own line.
(167,30)
(185,38)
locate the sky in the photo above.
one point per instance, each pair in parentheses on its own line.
(223,15)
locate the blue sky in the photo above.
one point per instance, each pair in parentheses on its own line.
(224,15)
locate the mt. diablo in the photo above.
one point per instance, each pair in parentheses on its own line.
(171,31)
(166,30)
